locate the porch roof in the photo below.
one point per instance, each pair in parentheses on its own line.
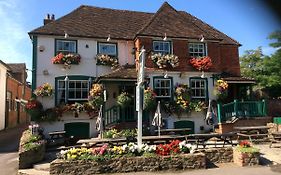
(124,73)
(239,80)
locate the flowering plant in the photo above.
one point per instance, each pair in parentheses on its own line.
(95,97)
(163,60)
(33,104)
(182,95)
(100,150)
(167,149)
(67,59)
(107,60)
(149,99)
(124,99)
(245,144)
(201,63)
(35,109)
(44,90)
(221,89)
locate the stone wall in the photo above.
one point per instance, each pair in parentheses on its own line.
(246,159)
(28,158)
(218,155)
(129,164)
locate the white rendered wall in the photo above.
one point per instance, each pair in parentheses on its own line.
(3,73)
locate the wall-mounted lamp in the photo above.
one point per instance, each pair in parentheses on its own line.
(65,35)
(87,46)
(203,74)
(108,38)
(41,48)
(165,37)
(66,78)
(166,75)
(201,38)
(45,72)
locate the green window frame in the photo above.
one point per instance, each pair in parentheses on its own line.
(163,87)
(199,88)
(75,89)
(163,47)
(65,46)
(108,49)
(197,49)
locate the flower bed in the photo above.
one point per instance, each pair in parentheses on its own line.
(31,150)
(245,154)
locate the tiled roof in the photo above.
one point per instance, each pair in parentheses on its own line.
(124,72)
(88,21)
(17,67)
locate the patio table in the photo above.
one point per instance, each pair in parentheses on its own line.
(177,131)
(252,132)
(276,138)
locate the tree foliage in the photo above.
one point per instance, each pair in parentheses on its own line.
(265,69)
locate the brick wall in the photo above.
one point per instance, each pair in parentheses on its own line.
(16,89)
(224,57)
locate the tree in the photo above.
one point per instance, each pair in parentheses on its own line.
(266,70)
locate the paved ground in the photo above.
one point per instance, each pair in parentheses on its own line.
(9,143)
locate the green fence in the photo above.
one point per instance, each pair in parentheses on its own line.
(116,114)
(236,109)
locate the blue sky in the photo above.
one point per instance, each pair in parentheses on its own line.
(247,21)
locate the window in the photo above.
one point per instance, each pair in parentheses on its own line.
(107,48)
(197,49)
(163,87)
(66,46)
(9,100)
(76,89)
(163,47)
(198,88)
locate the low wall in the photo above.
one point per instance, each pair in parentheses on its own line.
(129,164)
(218,155)
(29,157)
(246,159)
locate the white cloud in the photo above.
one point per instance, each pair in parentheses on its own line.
(268,50)
(15,46)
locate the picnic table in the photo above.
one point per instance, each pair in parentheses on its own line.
(162,138)
(56,136)
(276,138)
(177,131)
(95,141)
(201,139)
(252,132)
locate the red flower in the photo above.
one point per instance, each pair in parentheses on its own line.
(245,144)
(167,149)
(201,64)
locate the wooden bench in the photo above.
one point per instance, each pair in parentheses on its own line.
(56,137)
(252,132)
(276,138)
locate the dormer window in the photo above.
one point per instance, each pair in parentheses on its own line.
(66,46)
(163,47)
(197,49)
(107,49)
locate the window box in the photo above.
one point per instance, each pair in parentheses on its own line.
(106,60)
(165,60)
(67,60)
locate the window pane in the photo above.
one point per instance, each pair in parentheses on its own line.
(78,85)
(161,47)
(196,49)
(109,49)
(71,84)
(78,94)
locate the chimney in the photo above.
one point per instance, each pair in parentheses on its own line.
(49,18)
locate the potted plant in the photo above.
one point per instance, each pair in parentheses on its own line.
(164,60)
(245,154)
(66,59)
(44,90)
(124,99)
(149,101)
(107,60)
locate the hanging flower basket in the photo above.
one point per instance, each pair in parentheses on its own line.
(107,60)
(221,89)
(124,99)
(35,109)
(201,63)
(66,59)
(149,99)
(95,97)
(44,90)
(164,60)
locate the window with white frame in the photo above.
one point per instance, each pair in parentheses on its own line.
(66,46)
(73,90)
(163,87)
(197,49)
(198,88)
(163,47)
(107,48)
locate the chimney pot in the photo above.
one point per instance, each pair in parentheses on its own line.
(53,17)
(49,18)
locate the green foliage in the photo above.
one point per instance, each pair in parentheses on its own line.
(29,141)
(266,70)
(113,133)
(124,99)
(247,149)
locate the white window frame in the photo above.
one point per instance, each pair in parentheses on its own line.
(197,53)
(81,89)
(163,51)
(9,99)
(159,87)
(100,45)
(194,88)
(66,50)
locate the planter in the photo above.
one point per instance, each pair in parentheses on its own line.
(129,164)
(246,158)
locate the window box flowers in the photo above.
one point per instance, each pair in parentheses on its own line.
(201,63)
(221,88)
(44,90)
(164,60)
(66,59)
(107,60)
